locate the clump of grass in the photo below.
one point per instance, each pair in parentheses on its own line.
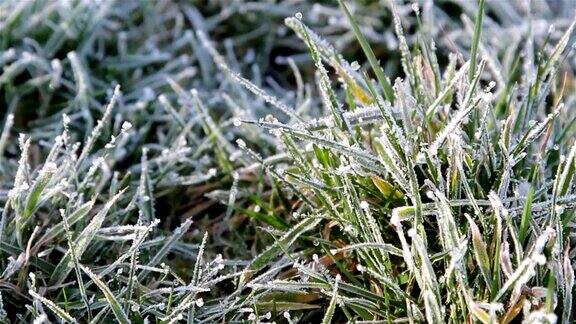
(165,176)
(427,190)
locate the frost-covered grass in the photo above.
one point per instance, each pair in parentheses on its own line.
(166,161)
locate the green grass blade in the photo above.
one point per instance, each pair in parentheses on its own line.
(112,301)
(476,40)
(82,241)
(480,252)
(388,91)
(333,302)
(282,243)
(62,314)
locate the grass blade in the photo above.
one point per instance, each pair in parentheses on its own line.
(476,40)
(112,301)
(388,91)
(62,314)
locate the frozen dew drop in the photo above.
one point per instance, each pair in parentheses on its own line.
(241,143)
(126,126)
(237,122)
(65,119)
(298,15)
(540,259)
(559,209)
(50,167)
(276,132)
(355,66)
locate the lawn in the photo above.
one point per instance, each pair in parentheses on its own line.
(287,161)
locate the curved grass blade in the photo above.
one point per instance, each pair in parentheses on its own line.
(62,314)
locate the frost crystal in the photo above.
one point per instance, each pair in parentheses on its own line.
(126,126)
(241,143)
(355,66)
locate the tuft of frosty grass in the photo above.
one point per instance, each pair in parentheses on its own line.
(152,168)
